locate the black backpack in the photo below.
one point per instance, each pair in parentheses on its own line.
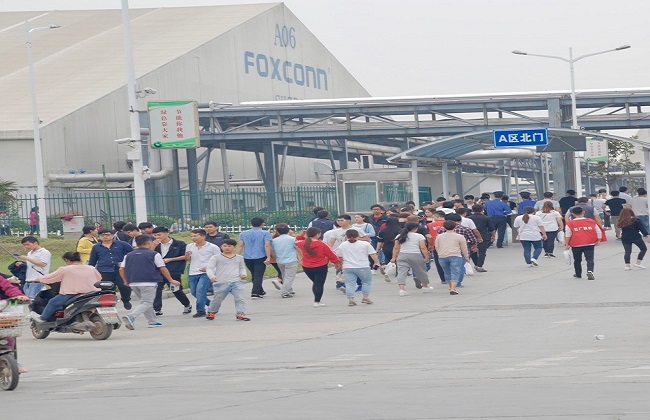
(323,224)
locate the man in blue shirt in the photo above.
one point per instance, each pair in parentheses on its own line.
(256,244)
(106,257)
(497,211)
(284,249)
(525,202)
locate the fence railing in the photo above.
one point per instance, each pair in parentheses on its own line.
(235,207)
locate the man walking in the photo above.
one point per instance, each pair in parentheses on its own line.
(142,270)
(615,205)
(284,249)
(640,207)
(497,211)
(106,257)
(213,235)
(256,246)
(198,253)
(173,254)
(582,236)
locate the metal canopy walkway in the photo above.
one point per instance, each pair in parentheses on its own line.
(343,129)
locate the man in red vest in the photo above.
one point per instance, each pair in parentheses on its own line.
(582,235)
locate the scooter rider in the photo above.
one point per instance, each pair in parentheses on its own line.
(76,278)
(10,291)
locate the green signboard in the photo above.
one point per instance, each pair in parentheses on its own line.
(596,150)
(173,124)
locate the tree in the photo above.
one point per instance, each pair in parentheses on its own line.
(620,160)
(7,199)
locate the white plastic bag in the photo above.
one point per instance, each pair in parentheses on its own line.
(391,269)
(568,257)
(560,236)
(469,271)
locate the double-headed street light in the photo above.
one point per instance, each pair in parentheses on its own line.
(574,111)
(38,152)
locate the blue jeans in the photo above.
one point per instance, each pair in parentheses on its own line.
(221,291)
(53,305)
(351,274)
(454,268)
(537,245)
(199,286)
(644,219)
(31,289)
(380,255)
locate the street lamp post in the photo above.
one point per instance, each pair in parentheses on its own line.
(38,152)
(574,109)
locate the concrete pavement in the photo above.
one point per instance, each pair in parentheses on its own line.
(517,342)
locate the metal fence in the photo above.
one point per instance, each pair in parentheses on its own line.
(235,207)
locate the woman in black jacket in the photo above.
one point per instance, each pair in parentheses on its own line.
(630,228)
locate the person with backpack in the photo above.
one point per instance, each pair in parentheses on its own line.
(322,222)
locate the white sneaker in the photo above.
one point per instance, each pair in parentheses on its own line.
(427,289)
(637,265)
(403,293)
(628,268)
(318,304)
(276,284)
(534,262)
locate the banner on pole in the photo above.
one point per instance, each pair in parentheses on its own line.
(596,150)
(173,124)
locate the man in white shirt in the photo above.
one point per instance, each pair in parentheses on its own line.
(624,195)
(198,253)
(38,261)
(640,206)
(337,237)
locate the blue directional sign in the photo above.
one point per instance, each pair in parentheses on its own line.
(518,138)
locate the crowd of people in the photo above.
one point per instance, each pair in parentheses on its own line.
(453,234)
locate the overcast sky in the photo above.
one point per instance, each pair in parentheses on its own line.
(432,47)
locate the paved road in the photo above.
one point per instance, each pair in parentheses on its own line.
(517,343)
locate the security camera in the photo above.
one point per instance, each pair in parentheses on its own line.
(150,91)
(125,140)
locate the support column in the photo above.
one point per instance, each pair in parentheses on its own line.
(343,156)
(445,180)
(646,165)
(415,182)
(562,163)
(459,182)
(270,182)
(193,180)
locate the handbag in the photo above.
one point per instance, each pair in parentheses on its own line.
(391,269)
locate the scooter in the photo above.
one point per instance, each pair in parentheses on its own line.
(12,319)
(92,313)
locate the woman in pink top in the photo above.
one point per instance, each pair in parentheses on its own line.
(452,254)
(76,278)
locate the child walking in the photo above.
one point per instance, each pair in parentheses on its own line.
(226,272)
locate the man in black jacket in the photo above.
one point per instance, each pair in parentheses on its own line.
(173,253)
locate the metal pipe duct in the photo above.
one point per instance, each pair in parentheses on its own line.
(110,177)
(498,154)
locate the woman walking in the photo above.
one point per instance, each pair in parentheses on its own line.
(34,220)
(531,233)
(411,252)
(553,224)
(354,256)
(452,254)
(86,242)
(315,255)
(630,227)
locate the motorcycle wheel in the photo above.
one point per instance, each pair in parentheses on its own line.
(8,372)
(101,331)
(39,334)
